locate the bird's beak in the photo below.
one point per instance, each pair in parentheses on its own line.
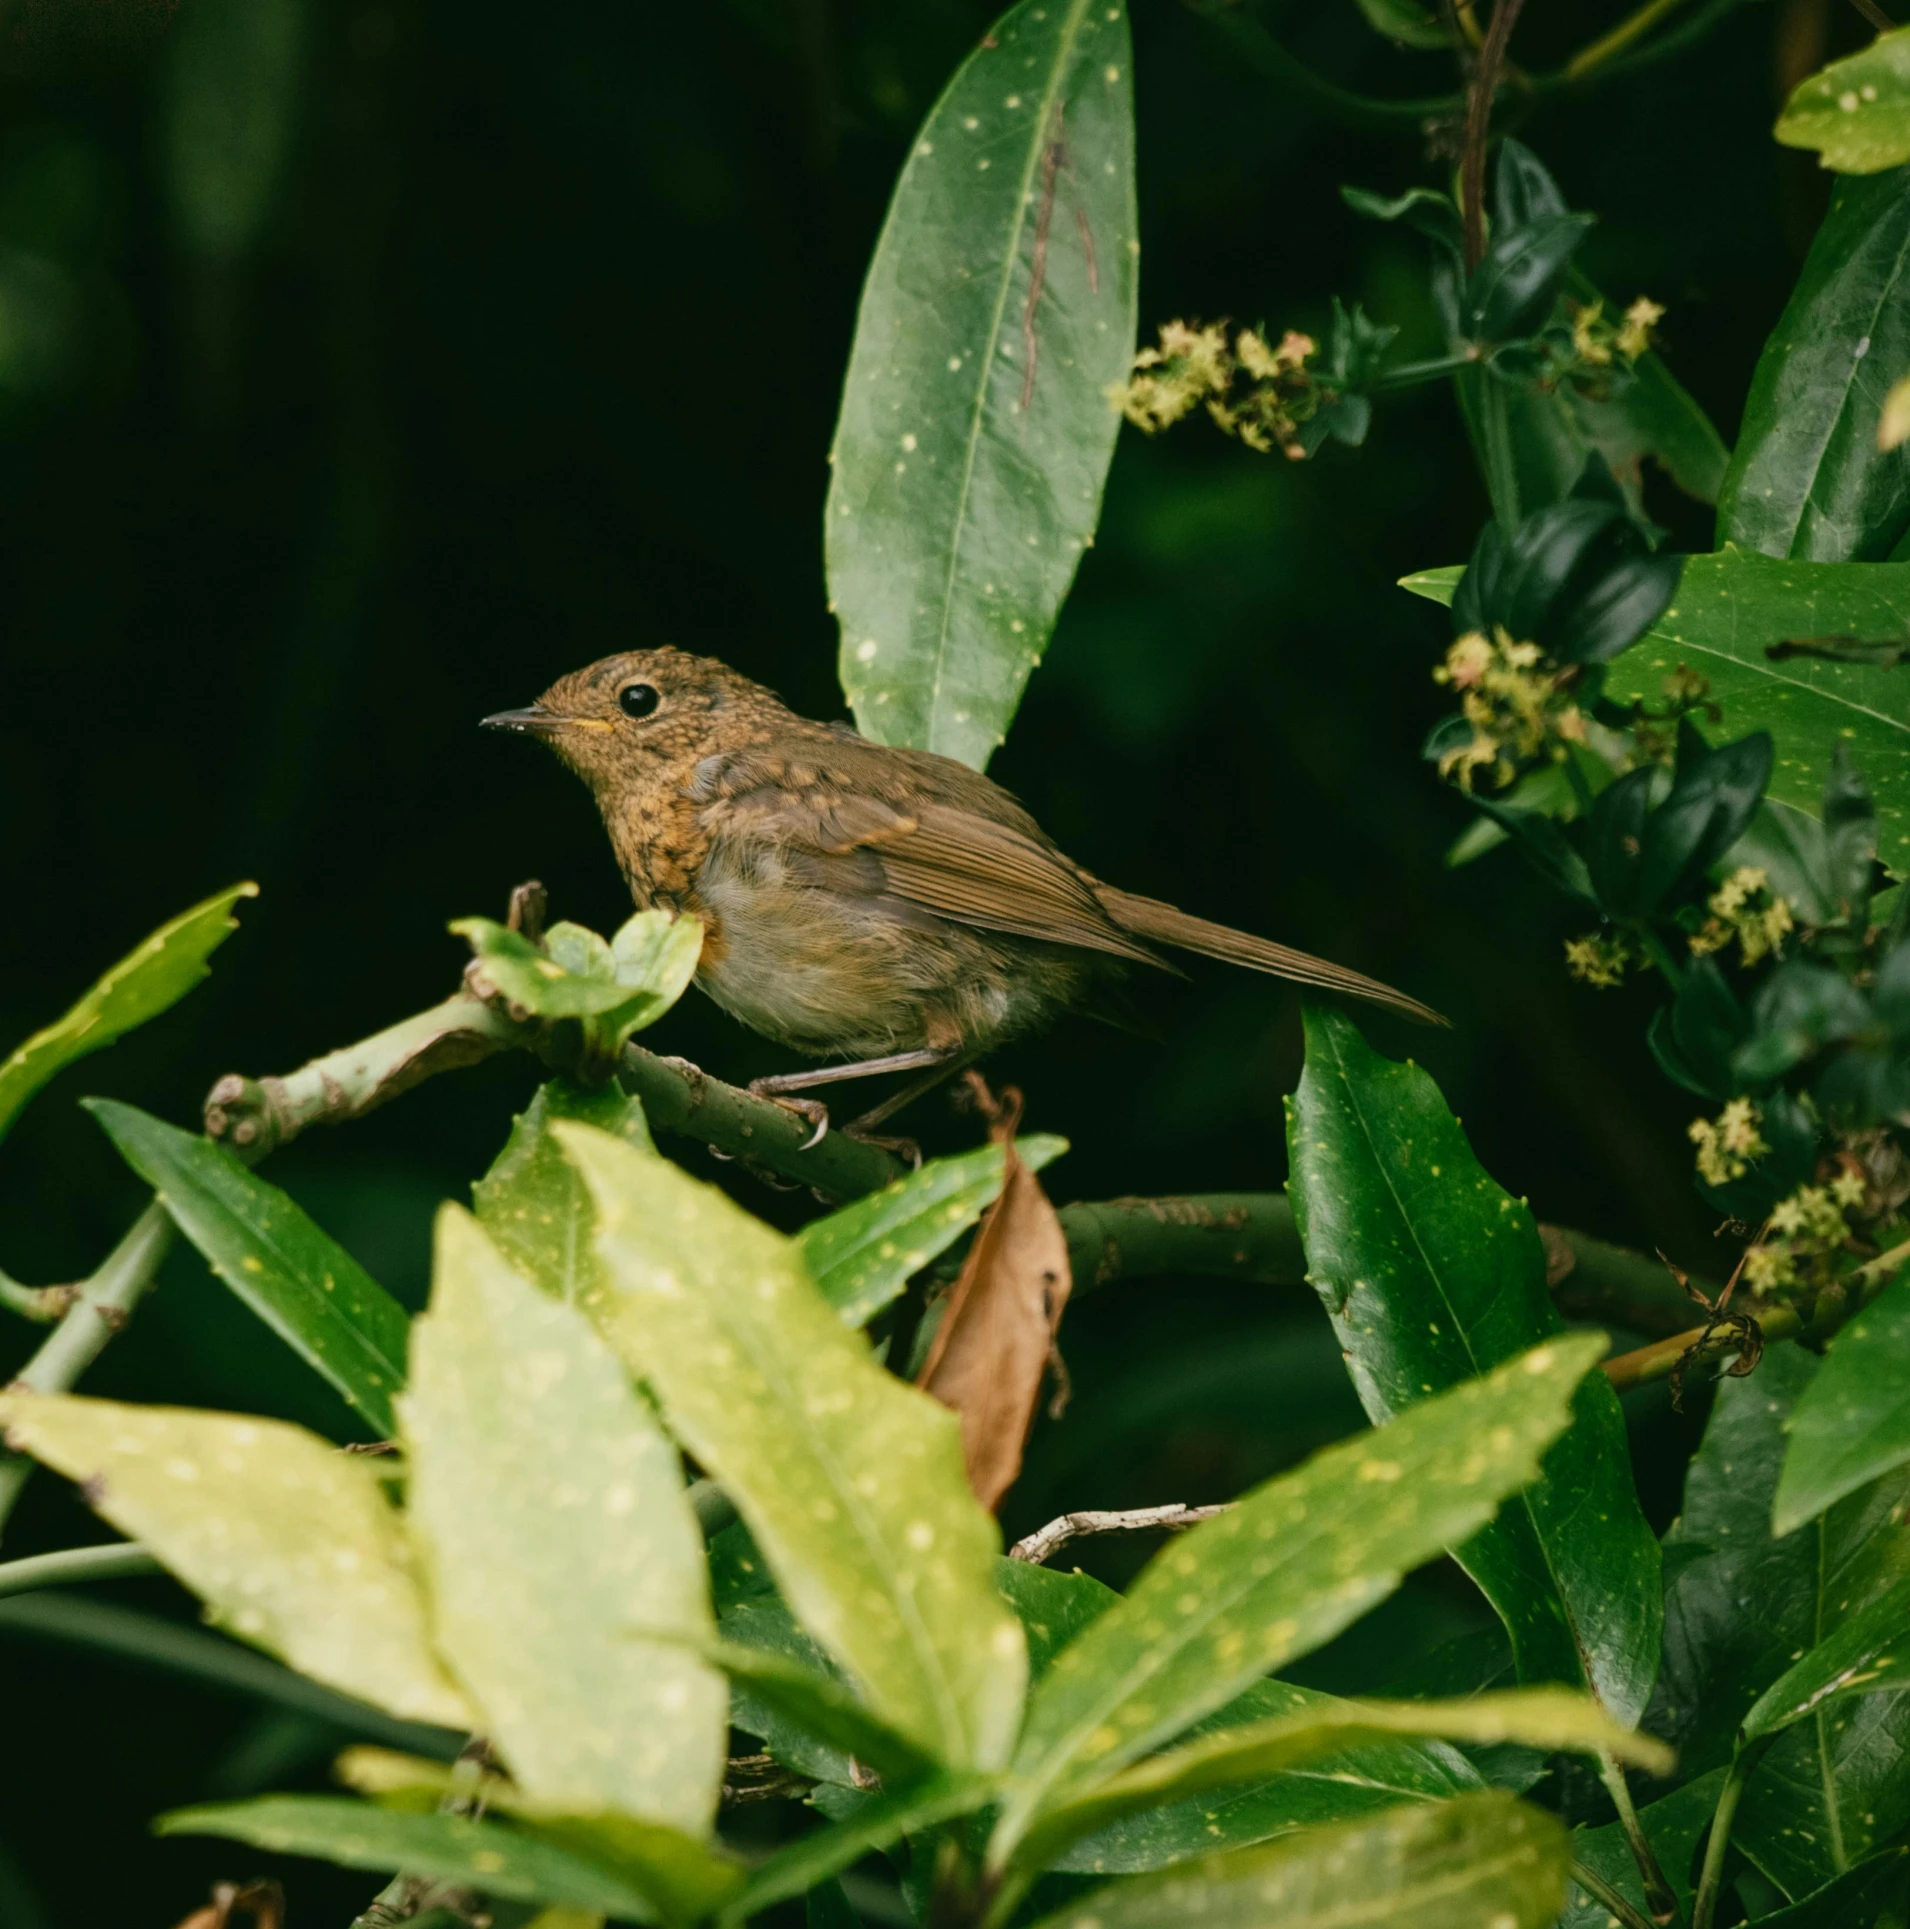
(534,718)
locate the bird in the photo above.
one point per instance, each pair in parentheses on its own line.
(886,908)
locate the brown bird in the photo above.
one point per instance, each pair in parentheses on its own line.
(889,907)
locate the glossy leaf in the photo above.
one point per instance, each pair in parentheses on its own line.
(786,1726)
(1549,1718)
(1485,1858)
(486,1856)
(850,1482)
(1053,1605)
(1852,1422)
(1283,1571)
(615,988)
(533,1202)
(1865,1655)
(1807,479)
(305,1286)
(551,1523)
(1432,1274)
(148,980)
(1730,609)
(1856,111)
(1741,1607)
(976,428)
(289,1543)
(863,1254)
(1674,1825)
(1335,1786)
(1406,23)
(1870,1895)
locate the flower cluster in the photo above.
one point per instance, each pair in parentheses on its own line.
(1514,705)
(1727,1144)
(1260,394)
(1599,343)
(1745,908)
(1598,961)
(1810,1228)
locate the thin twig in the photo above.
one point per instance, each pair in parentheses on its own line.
(42,1304)
(1602,1892)
(1479,97)
(1633,27)
(1659,1898)
(1875,15)
(1057,1534)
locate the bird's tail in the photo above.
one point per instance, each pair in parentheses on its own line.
(1150,918)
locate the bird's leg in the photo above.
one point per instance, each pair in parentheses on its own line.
(781,1085)
(863,1129)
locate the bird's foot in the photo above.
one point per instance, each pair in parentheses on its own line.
(812,1110)
(902,1148)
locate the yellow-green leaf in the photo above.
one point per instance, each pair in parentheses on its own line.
(288,1541)
(153,976)
(851,1482)
(550,1519)
(1856,111)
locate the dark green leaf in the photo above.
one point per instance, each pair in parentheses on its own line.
(297,1278)
(976,429)
(1869,1896)
(1693,1037)
(1853,1422)
(1789,847)
(148,980)
(533,1201)
(862,1255)
(1484,1858)
(826,1907)
(1406,22)
(1798,1010)
(1863,1656)
(1743,1606)
(1282,1571)
(1421,209)
(1674,1825)
(1731,609)
(1523,188)
(1714,796)
(1856,111)
(1807,479)
(1053,1605)
(1516,284)
(486,1856)
(763,1624)
(1432,1274)
(1615,839)
(1334,1787)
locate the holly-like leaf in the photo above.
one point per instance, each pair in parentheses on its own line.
(976,428)
(549,1514)
(534,1203)
(305,1286)
(148,980)
(1852,1423)
(1807,479)
(1486,1858)
(289,1543)
(1831,1788)
(851,1483)
(1432,1274)
(862,1255)
(1283,1571)
(1856,111)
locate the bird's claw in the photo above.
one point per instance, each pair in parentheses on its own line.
(811,1110)
(902,1148)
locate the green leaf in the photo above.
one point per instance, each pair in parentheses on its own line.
(148,980)
(551,1524)
(1807,479)
(1741,1607)
(231,110)
(763,1623)
(851,1483)
(1053,1605)
(289,1542)
(976,427)
(1731,608)
(1548,1718)
(305,1286)
(870,1826)
(1871,1894)
(616,988)
(1333,1787)
(1486,1858)
(1674,1825)
(486,1856)
(1852,1422)
(1432,1274)
(1283,1571)
(863,1255)
(1436,585)
(1856,111)
(1864,1656)
(1406,22)
(534,1203)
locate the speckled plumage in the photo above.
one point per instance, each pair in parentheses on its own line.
(858,899)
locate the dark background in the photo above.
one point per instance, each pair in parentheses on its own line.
(531,353)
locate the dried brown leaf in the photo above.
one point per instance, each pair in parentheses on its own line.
(998,1333)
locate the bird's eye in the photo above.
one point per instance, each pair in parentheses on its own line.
(638,699)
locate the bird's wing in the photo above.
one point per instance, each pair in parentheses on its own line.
(938,857)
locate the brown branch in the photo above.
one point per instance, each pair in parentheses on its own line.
(1479,97)
(1175,1518)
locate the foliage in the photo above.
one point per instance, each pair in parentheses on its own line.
(652,1470)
